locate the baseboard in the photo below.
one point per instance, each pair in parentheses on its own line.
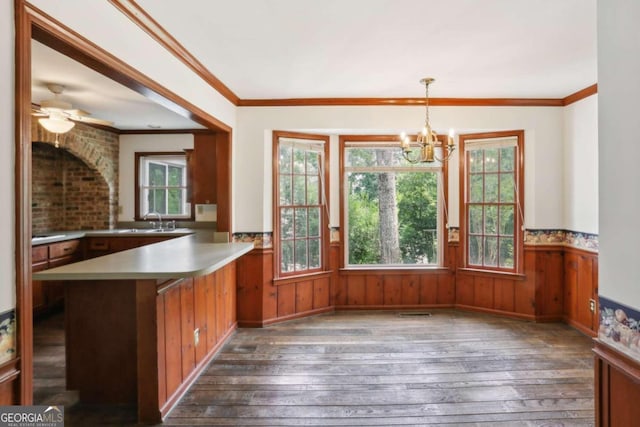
(298,315)
(580,327)
(494,312)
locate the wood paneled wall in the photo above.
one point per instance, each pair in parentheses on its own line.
(557,284)
(9,385)
(581,286)
(206,304)
(393,289)
(617,388)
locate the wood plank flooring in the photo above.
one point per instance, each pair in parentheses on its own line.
(378,368)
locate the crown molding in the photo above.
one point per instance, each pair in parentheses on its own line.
(403,102)
(143,20)
(581,94)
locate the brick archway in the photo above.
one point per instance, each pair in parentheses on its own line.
(97,148)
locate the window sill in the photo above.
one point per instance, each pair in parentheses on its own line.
(301,277)
(493,273)
(395,270)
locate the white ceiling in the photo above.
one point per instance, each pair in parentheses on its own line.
(104,98)
(269,49)
(382,48)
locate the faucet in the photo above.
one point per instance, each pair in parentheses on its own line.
(148,214)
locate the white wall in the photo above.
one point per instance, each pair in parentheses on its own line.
(129,145)
(7,154)
(619,149)
(581,165)
(543,152)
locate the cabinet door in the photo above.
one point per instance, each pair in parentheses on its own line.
(212,333)
(203,162)
(200,311)
(54,289)
(187,327)
(36,287)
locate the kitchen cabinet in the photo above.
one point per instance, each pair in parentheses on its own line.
(202,169)
(202,162)
(50,294)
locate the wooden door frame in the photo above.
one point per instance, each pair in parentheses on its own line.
(32,23)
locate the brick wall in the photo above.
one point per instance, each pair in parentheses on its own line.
(75,186)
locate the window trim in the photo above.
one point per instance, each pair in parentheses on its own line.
(324,203)
(139,216)
(518,220)
(350,140)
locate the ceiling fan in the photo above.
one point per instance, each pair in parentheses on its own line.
(58,115)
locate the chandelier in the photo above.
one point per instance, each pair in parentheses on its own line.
(427,139)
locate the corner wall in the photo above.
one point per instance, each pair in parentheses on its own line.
(619,151)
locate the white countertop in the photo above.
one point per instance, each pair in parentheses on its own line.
(61,236)
(187,256)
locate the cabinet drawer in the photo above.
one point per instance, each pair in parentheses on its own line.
(98,244)
(63,249)
(39,253)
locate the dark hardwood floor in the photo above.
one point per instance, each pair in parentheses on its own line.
(375,368)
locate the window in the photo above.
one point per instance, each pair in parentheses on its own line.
(300,202)
(162,184)
(393,213)
(492,208)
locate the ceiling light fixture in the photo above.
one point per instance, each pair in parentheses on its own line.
(56,123)
(427,139)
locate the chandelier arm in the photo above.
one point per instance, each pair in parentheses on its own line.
(447,157)
(408,158)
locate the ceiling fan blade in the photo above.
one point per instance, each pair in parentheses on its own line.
(84,119)
(77,113)
(37,111)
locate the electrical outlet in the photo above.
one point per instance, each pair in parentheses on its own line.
(196,336)
(592,305)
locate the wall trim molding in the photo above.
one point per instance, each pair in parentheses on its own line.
(619,327)
(580,95)
(559,237)
(143,20)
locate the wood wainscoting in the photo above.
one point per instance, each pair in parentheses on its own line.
(617,388)
(9,384)
(534,295)
(395,289)
(581,290)
(263,300)
(557,284)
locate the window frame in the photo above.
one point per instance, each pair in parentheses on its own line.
(139,216)
(518,233)
(346,141)
(323,197)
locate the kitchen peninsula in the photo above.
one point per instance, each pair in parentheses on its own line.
(140,325)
